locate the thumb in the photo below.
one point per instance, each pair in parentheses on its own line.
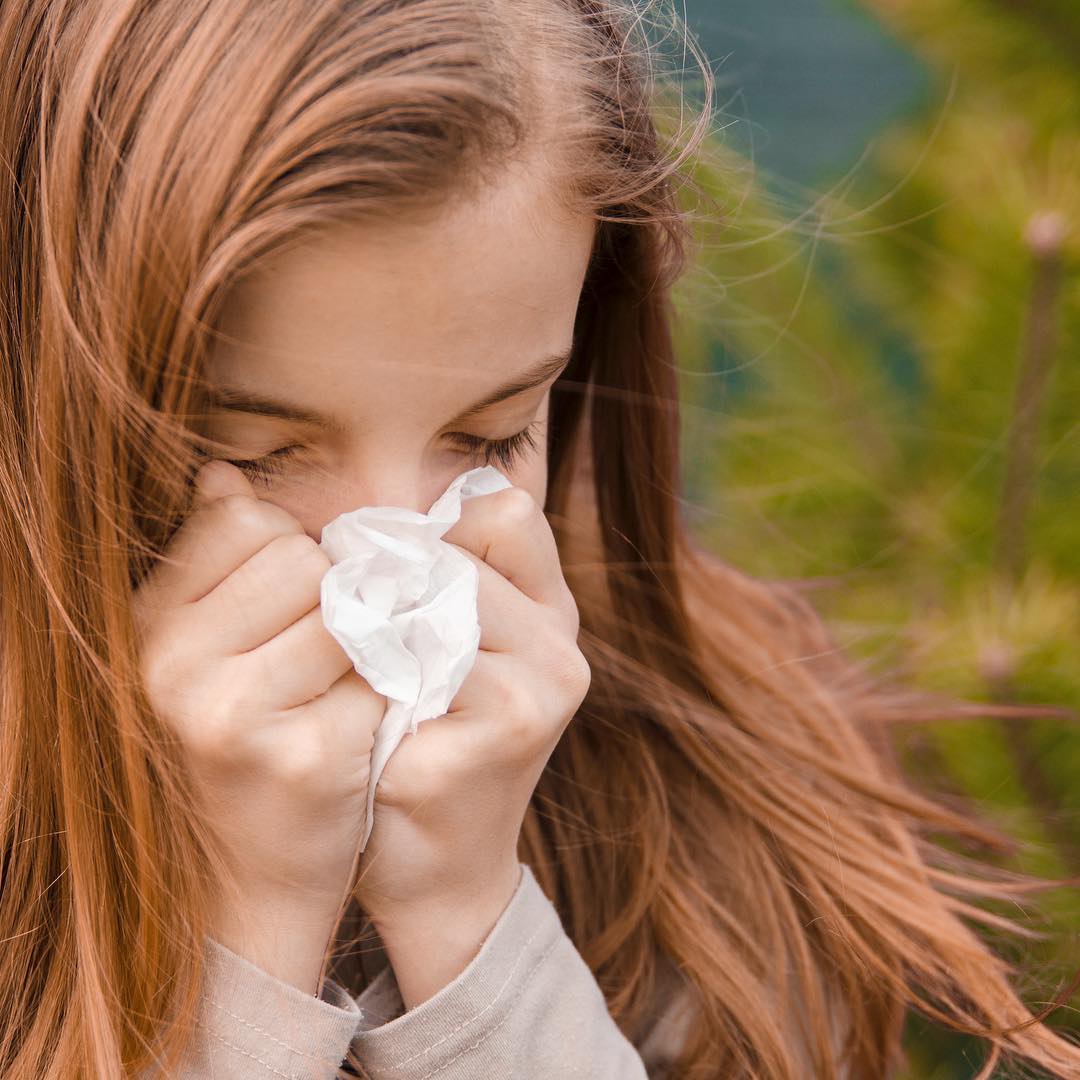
(218,478)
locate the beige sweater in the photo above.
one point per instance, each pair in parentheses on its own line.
(526,1007)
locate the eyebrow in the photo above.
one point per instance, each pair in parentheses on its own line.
(239,400)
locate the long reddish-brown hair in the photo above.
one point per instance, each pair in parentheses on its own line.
(725,805)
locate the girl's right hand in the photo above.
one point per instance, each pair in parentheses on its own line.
(276,724)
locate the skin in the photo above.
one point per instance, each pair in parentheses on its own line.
(391,331)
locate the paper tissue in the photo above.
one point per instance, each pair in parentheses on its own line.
(401,602)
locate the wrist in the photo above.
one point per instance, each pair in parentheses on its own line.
(282,936)
(429,945)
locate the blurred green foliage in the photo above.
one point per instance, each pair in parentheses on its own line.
(881,393)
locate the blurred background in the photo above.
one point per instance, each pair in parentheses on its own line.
(881,386)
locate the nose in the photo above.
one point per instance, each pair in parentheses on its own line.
(384,482)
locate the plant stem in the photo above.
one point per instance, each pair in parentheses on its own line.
(1045,236)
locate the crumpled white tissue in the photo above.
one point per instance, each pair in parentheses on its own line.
(401,602)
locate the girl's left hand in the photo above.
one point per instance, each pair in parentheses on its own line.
(441,863)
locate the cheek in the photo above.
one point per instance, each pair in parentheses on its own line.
(531,472)
(313,511)
(532,475)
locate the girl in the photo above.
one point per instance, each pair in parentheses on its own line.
(349,249)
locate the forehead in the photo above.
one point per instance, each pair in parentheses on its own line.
(486,283)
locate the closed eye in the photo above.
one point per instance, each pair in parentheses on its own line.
(506,452)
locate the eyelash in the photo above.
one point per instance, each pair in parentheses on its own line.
(505,451)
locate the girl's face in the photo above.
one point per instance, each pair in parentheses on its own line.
(378,361)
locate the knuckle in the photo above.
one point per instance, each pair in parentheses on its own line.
(254,517)
(302,553)
(240,511)
(216,721)
(161,668)
(428,777)
(389,793)
(567,667)
(209,475)
(353,694)
(299,762)
(400,792)
(578,676)
(435,779)
(209,741)
(523,718)
(570,612)
(216,737)
(515,507)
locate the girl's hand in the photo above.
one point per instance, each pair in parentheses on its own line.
(277,725)
(441,863)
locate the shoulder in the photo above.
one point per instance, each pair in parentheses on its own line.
(676,1007)
(668,1025)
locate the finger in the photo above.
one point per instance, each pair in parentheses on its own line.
(508,530)
(542,670)
(216,479)
(346,715)
(508,618)
(227,526)
(271,590)
(493,719)
(300,663)
(327,741)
